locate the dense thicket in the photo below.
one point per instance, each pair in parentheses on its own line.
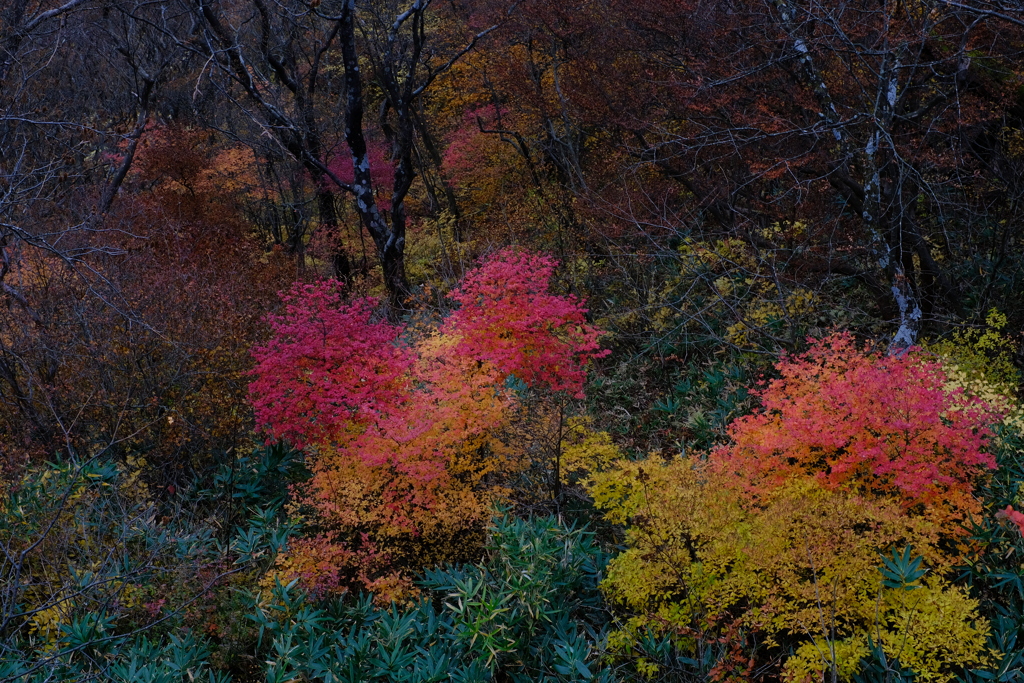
(329,325)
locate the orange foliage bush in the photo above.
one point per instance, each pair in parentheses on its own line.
(405,434)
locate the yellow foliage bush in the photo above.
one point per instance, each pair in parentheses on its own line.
(934,631)
(585,451)
(738,287)
(980,361)
(800,568)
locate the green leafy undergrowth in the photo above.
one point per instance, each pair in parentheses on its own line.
(531,612)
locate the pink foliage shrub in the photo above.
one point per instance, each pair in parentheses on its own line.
(327,365)
(865,422)
(507,317)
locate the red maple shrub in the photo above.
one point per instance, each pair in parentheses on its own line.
(404,430)
(866,423)
(327,365)
(509,318)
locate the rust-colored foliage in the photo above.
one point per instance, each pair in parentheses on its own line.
(143,346)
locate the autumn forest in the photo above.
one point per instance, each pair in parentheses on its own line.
(411,341)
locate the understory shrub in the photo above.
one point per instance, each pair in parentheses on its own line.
(775,541)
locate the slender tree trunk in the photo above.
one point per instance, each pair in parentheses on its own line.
(390,242)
